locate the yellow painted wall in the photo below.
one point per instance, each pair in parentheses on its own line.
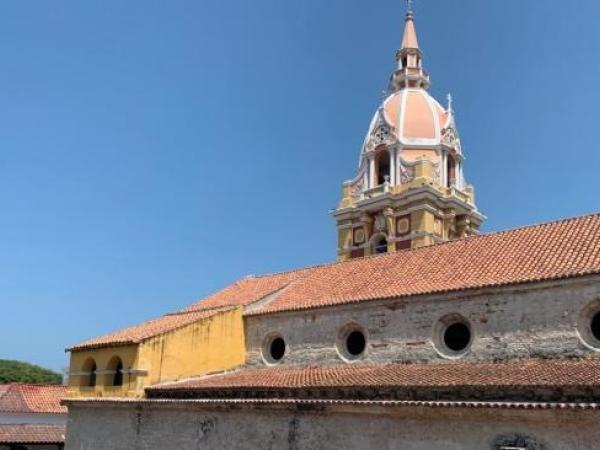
(344,238)
(422,221)
(207,345)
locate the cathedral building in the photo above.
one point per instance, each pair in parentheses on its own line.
(426,334)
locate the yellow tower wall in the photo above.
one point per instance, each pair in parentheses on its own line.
(423,222)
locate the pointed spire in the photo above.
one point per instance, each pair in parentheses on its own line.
(410,71)
(409,39)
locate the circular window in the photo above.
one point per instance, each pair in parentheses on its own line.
(274,349)
(452,336)
(457,337)
(588,325)
(277,348)
(356,343)
(352,342)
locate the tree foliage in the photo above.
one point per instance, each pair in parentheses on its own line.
(22,372)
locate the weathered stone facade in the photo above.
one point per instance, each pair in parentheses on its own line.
(539,320)
(192,426)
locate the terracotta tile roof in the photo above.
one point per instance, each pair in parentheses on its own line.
(251,289)
(527,373)
(555,250)
(151,328)
(551,251)
(31,434)
(32,398)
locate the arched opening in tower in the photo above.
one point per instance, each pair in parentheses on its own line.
(381,246)
(383,167)
(451,171)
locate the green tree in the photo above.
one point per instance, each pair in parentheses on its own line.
(22,372)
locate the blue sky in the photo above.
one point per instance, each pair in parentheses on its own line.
(152,152)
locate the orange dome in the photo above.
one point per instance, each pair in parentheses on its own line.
(415,117)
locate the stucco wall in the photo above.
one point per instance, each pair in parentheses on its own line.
(102,356)
(207,345)
(158,427)
(538,320)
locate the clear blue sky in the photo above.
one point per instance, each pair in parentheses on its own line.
(151,152)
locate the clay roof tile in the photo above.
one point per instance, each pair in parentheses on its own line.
(31,434)
(526,373)
(32,398)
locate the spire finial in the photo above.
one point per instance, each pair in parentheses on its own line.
(409,40)
(449,98)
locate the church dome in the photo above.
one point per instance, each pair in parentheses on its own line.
(413,117)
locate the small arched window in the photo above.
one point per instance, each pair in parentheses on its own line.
(118,377)
(381,246)
(115,370)
(88,373)
(92,377)
(383,167)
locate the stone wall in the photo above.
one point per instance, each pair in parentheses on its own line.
(190,426)
(537,320)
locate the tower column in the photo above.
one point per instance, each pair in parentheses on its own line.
(393,166)
(398,167)
(443,168)
(372,181)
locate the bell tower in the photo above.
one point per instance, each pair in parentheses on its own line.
(410,189)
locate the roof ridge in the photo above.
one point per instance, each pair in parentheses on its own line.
(526,227)
(437,244)
(184,311)
(138,339)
